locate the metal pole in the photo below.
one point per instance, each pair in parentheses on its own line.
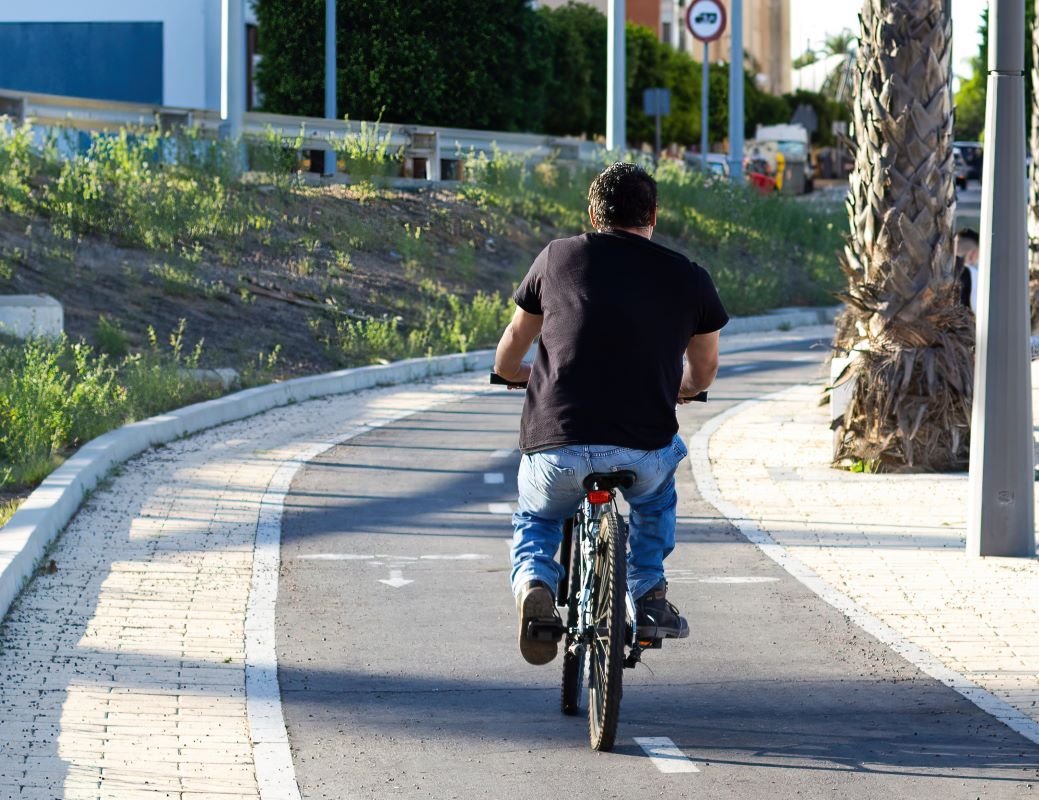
(736,94)
(1000,518)
(330,79)
(615,78)
(656,153)
(232,68)
(705,120)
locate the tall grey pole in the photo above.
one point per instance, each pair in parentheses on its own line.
(1000,518)
(615,78)
(736,94)
(704,119)
(330,79)
(232,68)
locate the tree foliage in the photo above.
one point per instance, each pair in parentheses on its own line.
(499,66)
(970,99)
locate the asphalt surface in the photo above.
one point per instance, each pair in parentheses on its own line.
(417,690)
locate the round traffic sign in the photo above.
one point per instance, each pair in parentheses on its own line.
(705,20)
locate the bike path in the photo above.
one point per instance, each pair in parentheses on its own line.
(400,674)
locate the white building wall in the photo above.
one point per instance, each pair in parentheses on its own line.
(190,37)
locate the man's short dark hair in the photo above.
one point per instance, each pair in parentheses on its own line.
(969,234)
(623,196)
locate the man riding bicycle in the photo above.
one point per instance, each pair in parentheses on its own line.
(616,313)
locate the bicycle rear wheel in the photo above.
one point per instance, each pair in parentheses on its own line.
(606,653)
(574,652)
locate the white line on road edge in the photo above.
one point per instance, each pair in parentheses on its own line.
(503,453)
(275,773)
(742,368)
(499,508)
(665,755)
(700,463)
(396,579)
(493,477)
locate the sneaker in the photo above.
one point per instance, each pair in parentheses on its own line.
(536,602)
(657,618)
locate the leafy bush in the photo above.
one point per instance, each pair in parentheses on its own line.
(55,395)
(449,325)
(15,167)
(123,187)
(366,155)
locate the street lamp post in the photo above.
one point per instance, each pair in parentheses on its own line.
(736,94)
(615,78)
(232,69)
(1000,506)
(330,80)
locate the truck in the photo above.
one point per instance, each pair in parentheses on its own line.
(786,145)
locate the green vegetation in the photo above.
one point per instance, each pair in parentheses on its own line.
(762,251)
(448,325)
(499,66)
(55,395)
(969,123)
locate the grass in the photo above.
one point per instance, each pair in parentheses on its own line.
(7,509)
(448,324)
(57,394)
(762,251)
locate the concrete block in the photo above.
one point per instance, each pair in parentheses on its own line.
(29,316)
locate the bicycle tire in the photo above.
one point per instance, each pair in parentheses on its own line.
(606,653)
(573,652)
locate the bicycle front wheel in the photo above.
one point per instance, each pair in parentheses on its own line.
(606,654)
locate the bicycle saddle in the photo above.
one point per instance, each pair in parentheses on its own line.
(608,481)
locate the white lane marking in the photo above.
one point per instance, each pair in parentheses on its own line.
(665,755)
(499,508)
(275,772)
(736,579)
(493,477)
(808,358)
(741,368)
(700,464)
(396,579)
(503,453)
(372,559)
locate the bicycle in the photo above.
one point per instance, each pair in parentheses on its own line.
(600,634)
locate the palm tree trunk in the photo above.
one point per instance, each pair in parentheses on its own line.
(910,409)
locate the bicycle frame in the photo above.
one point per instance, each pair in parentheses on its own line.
(586,528)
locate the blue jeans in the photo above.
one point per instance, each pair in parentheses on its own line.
(550,491)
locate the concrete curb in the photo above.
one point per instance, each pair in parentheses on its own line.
(26,536)
(783,319)
(46,512)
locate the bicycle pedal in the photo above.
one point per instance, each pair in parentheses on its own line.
(651,644)
(545,630)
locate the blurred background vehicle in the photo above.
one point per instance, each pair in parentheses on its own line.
(960,168)
(973,156)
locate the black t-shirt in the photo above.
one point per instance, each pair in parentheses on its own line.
(618,311)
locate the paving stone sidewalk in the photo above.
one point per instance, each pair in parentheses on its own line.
(123,667)
(894,544)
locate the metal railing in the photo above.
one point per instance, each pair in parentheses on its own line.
(432,144)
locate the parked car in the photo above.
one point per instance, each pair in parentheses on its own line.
(973,155)
(717,163)
(960,168)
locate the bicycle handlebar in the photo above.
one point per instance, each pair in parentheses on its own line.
(498,380)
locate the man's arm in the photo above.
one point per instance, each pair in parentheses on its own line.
(519,335)
(701,364)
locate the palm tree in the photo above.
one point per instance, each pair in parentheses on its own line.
(914,364)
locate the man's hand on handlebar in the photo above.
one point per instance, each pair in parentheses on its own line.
(517,379)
